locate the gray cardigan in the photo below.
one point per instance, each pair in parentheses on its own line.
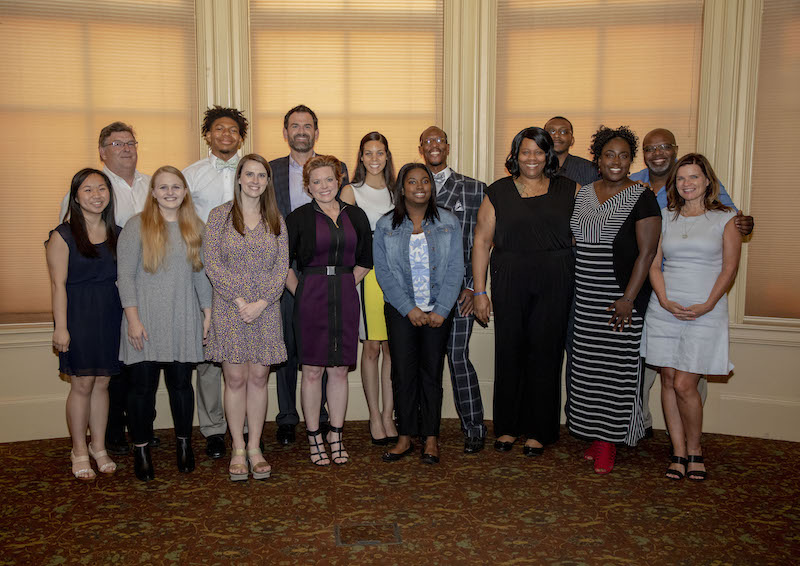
(170,301)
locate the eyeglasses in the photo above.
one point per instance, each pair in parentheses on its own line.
(119,144)
(660,147)
(562,131)
(429,141)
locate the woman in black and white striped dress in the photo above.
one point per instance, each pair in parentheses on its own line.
(616,223)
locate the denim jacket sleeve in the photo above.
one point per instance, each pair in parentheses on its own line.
(454,274)
(394,291)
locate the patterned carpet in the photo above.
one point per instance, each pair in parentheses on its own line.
(490,508)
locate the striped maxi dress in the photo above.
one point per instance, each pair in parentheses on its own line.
(604,401)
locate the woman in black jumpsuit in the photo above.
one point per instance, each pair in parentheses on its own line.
(526,216)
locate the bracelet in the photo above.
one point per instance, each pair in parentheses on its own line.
(478,293)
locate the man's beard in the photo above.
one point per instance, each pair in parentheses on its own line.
(302,145)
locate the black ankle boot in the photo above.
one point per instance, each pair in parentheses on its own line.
(185,455)
(142,463)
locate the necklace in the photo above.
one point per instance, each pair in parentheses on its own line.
(523,190)
(684,231)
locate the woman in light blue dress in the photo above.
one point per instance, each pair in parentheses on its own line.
(687,318)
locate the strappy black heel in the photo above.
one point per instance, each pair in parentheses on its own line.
(336,453)
(696,475)
(676,475)
(319,457)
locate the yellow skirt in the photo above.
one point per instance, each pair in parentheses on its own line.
(373,321)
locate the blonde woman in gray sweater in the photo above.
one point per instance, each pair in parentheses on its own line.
(167,301)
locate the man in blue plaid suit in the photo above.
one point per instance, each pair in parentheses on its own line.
(462,196)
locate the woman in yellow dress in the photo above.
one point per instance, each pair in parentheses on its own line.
(371,190)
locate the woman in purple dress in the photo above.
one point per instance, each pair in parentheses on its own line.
(331,242)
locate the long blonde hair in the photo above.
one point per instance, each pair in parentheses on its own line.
(154,229)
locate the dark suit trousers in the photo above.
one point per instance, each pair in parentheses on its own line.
(117,407)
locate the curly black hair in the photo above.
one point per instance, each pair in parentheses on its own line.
(216,112)
(603,135)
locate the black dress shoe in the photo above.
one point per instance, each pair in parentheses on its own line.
(142,463)
(185,455)
(379,441)
(118,447)
(473,445)
(429,459)
(285,434)
(155,442)
(215,446)
(533,450)
(504,446)
(392,457)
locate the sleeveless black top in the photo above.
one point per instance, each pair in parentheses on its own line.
(534,224)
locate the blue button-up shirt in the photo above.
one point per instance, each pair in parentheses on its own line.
(297,193)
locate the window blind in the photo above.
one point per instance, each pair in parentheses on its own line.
(595,62)
(70,68)
(773,263)
(360,65)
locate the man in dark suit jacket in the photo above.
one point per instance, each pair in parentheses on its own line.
(300,130)
(462,196)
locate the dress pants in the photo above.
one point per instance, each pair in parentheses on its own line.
(142,398)
(117,407)
(466,390)
(532,296)
(286,373)
(649,379)
(417,368)
(210,412)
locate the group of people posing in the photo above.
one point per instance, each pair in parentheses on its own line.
(237,265)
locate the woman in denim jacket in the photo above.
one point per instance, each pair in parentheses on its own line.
(419,264)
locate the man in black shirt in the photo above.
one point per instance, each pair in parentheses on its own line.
(578,169)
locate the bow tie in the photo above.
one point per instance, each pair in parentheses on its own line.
(219,164)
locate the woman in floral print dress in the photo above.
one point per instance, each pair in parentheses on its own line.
(247,257)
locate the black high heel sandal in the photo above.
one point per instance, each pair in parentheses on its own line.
(696,475)
(676,475)
(336,453)
(319,457)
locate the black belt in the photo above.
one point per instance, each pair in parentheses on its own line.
(327,270)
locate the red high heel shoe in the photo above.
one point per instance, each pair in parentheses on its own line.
(604,457)
(591,452)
